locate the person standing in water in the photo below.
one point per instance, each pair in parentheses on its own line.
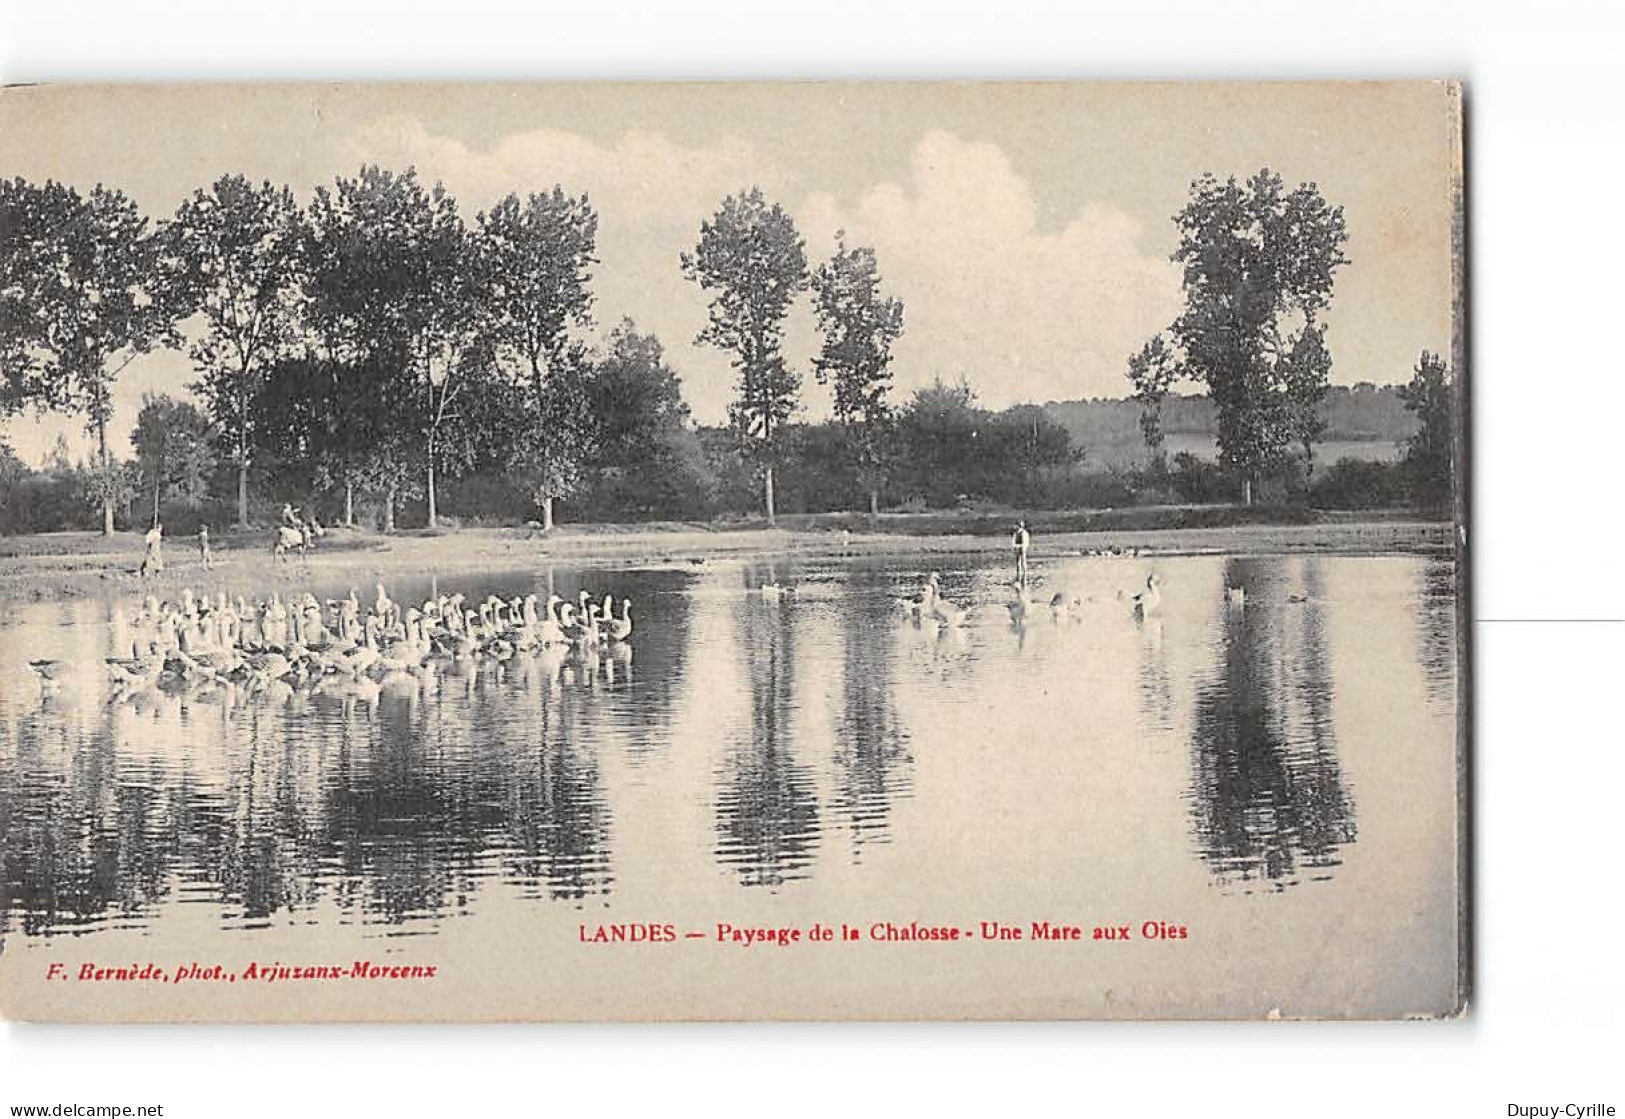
(203,546)
(1021,541)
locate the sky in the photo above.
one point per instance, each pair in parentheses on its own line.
(1026,227)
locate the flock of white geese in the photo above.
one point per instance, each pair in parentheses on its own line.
(304,640)
(931,605)
(301,639)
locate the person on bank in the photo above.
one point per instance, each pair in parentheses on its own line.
(153,562)
(203,546)
(1020,541)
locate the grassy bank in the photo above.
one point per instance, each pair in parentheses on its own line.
(74,563)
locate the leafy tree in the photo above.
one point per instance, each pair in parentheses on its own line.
(1021,443)
(59,460)
(754,262)
(648,463)
(1307,376)
(84,294)
(330,422)
(468,424)
(537,256)
(552,432)
(635,395)
(457,368)
(28,252)
(114,484)
(14,474)
(1259,263)
(392,278)
(237,250)
(1152,372)
(860,325)
(1430,396)
(172,451)
(940,431)
(295,412)
(12,468)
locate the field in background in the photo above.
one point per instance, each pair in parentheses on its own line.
(1366,450)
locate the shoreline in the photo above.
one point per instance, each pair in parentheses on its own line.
(75,565)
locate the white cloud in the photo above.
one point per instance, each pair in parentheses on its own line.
(1021,313)
(651,196)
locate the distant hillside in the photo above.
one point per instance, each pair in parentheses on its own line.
(1364,421)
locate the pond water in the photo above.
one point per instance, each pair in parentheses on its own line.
(1277,775)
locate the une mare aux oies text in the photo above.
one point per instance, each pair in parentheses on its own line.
(885,932)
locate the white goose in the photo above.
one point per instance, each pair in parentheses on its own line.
(549,630)
(621,628)
(941,609)
(581,632)
(1149,601)
(919,607)
(1022,606)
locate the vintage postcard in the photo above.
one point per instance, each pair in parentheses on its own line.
(732,551)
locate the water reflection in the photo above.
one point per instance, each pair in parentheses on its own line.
(871,747)
(1268,800)
(767,808)
(1436,627)
(1155,690)
(741,746)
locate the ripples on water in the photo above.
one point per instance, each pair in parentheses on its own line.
(741,744)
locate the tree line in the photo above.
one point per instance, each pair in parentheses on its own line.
(387,343)
(375,344)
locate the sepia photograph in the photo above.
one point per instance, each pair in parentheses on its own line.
(733,551)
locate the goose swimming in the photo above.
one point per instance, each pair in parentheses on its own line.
(548,630)
(941,609)
(1149,601)
(919,607)
(1060,606)
(621,628)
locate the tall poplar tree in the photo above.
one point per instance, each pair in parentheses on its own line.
(860,325)
(754,264)
(238,251)
(1259,263)
(85,294)
(538,254)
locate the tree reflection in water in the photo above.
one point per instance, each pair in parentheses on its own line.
(471,788)
(1267,799)
(556,824)
(68,854)
(1436,628)
(767,810)
(874,766)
